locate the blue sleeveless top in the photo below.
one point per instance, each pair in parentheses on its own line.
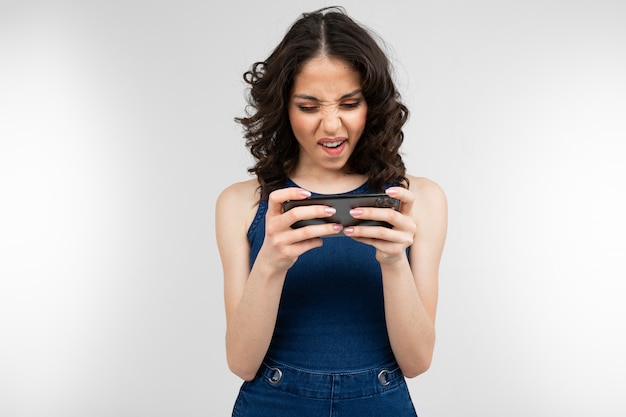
(331,315)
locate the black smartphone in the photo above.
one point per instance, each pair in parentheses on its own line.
(343,203)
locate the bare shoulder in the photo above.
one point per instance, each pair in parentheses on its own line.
(427,192)
(430,211)
(237,203)
(244,191)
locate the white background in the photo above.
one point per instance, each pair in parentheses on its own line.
(117,134)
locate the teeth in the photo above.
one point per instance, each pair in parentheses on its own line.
(332,144)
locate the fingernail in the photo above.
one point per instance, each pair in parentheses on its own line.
(330,210)
(348,230)
(337,227)
(391,191)
(305,193)
(356,212)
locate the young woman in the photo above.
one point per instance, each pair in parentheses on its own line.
(320,326)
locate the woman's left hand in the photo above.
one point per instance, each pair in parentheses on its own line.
(390,243)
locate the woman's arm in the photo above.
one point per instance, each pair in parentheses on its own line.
(410,287)
(252,296)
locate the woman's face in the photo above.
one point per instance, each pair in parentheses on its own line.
(327,111)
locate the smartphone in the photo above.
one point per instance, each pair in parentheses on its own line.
(343,203)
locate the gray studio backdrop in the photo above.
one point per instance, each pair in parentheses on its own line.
(117,134)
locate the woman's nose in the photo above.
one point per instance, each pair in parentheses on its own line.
(331,122)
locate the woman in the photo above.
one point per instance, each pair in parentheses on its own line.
(320,327)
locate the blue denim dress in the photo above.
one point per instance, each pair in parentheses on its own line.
(330,353)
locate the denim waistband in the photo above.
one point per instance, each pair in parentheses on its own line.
(344,385)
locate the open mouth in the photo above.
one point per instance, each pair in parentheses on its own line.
(332,145)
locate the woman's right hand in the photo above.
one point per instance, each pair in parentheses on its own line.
(283,245)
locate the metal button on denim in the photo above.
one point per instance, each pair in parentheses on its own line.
(278,375)
(382,378)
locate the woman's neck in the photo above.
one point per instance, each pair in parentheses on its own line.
(328,183)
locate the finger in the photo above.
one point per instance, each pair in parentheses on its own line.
(406,197)
(382,238)
(393,217)
(281,226)
(380,245)
(379,233)
(316,231)
(307,235)
(278,197)
(308,212)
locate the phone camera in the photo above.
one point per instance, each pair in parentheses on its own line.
(383,202)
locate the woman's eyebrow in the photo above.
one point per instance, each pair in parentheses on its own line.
(313,98)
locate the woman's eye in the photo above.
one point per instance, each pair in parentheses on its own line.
(313,108)
(351,104)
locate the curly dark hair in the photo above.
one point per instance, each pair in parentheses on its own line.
(330,32)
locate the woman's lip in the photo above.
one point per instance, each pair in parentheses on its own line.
(334,151)
(331,140)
